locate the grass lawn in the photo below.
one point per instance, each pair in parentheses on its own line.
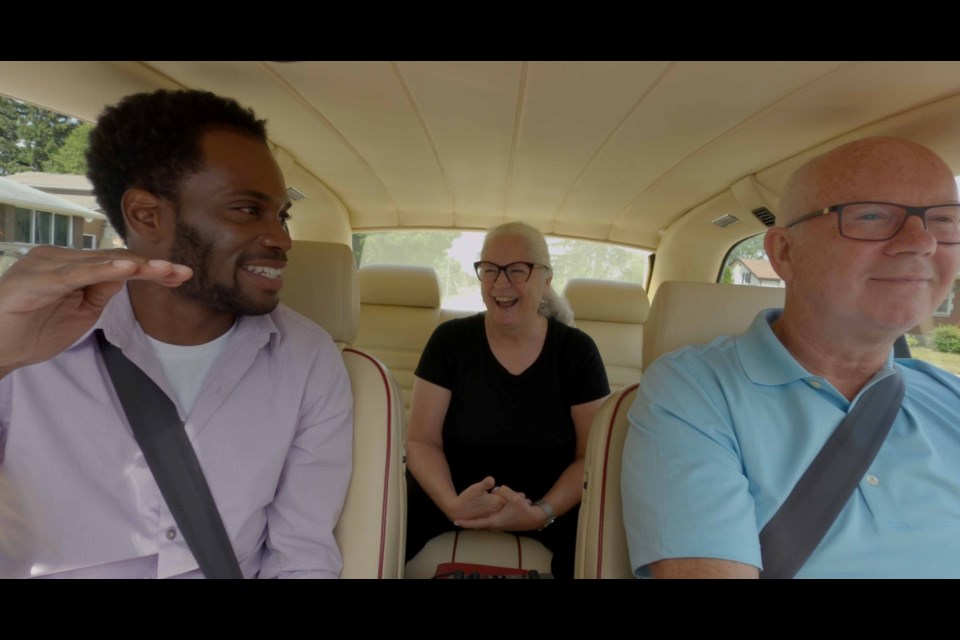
(948,361)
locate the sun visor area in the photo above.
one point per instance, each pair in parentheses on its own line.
(319,215)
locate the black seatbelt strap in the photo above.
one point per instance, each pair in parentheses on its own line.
(800,523)
(159,432)
(901,348)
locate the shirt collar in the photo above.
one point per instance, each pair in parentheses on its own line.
(766,361)
(120,326)
(764,358)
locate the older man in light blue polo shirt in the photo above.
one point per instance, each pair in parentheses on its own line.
(721,433)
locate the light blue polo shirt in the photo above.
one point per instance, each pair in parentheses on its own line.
(720,434)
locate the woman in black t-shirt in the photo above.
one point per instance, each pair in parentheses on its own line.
(502,405)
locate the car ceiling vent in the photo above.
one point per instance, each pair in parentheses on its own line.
(726,220)
(765,216)
(295,194)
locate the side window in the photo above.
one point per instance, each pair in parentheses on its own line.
(747,264)
(44,228)
(45,197)
(62,231)
(945,310)
(937,339)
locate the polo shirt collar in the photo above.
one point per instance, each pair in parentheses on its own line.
(764,358)
(767,362)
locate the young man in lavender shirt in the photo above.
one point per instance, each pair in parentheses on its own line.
(187,179)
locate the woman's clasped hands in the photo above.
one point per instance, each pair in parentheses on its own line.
(485,505)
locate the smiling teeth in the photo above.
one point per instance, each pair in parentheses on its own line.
(268,272)
(500,299)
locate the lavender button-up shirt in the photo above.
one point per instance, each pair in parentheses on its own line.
(272,428)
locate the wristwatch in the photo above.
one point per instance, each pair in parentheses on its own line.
(547,509)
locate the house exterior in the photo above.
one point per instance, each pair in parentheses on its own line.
(78,190)
(758,273)
(29,217)
(71,187)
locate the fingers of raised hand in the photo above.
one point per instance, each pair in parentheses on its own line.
(162,272)
(47,273)
(81,268)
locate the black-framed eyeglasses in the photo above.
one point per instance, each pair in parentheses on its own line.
(517,272)
(876,221)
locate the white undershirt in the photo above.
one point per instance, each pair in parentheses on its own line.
(186,367)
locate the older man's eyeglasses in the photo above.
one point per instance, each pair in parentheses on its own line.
(517,272)
(883,220)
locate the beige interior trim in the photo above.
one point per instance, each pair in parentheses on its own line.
(332,301)
(601,539)
(605,150)
(400,285)
(691,313)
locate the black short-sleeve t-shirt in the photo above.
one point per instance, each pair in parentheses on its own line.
(516,428)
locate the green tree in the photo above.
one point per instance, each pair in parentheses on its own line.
(9,116)
(581,259)
(29,135)
(424,248)
(72,156)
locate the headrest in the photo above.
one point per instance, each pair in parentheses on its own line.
(400,285)
(321,283)
(607,300)
(685,313)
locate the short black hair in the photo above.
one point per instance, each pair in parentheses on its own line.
(152,140)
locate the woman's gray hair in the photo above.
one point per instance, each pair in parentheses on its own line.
(552,305)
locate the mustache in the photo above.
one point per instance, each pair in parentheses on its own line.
(274,254)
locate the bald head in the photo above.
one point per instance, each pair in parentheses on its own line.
(843,292)
(871,169)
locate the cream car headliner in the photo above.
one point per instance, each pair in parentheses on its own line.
(624,152)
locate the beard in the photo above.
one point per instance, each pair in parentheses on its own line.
(190,248)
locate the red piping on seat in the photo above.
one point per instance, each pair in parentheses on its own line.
(386,475)
(603,485)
